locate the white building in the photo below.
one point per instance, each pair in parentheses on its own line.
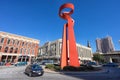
(52,50)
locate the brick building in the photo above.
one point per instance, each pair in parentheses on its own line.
(14,48)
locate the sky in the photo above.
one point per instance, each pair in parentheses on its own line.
(39,19)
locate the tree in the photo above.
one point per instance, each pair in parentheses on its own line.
(98,57)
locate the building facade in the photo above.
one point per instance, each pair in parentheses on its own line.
(113,56)
(52,50)
(104,45)
(14,48)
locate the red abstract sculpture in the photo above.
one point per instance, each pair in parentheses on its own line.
(69,55)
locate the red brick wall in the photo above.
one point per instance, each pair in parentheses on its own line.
(31,46)
(4,45)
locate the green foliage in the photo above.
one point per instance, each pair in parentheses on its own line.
(98,57)
(70,68)
(81,68)
(49,66)
(57,68)
(52,67)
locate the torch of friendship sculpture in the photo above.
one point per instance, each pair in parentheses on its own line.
(69,54)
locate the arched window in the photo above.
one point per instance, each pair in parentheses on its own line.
(33,52)
(26,43)
(29,44)
(33,45)
(0,48)
(28,51)
(6,50)
(20,51)
(2,40)
(22,43)
(16,50)
(11,49)
(24,51)
(13,42)
(17,42)
(8,42)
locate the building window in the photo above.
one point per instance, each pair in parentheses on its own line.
(11,50)
(0,48)
(13,41)
(8,42)
(28,51)
(22,43)
(6,50)
(16,50)
(24,51)
(26,43)
(29,44)
(18,43)
(20,51)
(33,52)
(33,45)
(2,40)
(52,50)
(60,46)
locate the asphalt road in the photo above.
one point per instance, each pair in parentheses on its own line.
(17,73)
(107,74)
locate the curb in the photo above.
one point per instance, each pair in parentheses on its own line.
(50,71)
(71,72)
(2,67)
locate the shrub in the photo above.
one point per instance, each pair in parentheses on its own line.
(52,67)
(49,66)
(81,68)
(70,68)
(90,68)
(57,68)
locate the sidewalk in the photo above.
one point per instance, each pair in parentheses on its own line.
(2,67)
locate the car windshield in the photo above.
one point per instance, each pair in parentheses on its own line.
(92,63)
(36,67)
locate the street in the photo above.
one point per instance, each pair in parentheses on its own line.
(17,73)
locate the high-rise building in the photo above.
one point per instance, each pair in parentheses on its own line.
(104,45)
(14,48)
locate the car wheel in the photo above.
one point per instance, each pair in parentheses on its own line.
(30,74)
(24,72)
(41,73)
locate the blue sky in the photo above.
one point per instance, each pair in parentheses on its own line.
(39,19)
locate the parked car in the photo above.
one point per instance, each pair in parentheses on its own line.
(92,64)
(1,63)
(34,70)
(8,64)
(20,64)
(110,65)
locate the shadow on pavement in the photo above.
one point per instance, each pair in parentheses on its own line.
(107,74)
